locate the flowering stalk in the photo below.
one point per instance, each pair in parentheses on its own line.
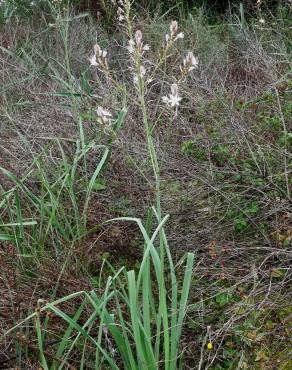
(124,18)
(173,99)
(170,39)
(190,62)
(137,50)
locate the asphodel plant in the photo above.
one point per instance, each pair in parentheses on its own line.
(138,320)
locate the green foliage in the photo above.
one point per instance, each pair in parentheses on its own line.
(194,148)
(223,298)
(51,208)
(56,209)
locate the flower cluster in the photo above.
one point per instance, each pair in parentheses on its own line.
(174,34)
(190,62)
(173,99)
(98,59)
(137,44)
(137,48)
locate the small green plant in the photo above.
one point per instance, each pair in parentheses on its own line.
(221,153)
(195,149)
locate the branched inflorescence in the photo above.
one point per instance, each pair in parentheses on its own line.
(137,49)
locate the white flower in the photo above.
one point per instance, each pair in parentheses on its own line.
(131,46)
(174,35)
(138,38)
(141,74)
(98,59)
(104,114)
(180,36)
(93,61)
(190,62)
(173,99)
(262,21)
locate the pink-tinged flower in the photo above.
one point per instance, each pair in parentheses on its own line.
(174,35)
(172,99)
(190,62)
(98,59)
(137,44)
(173,27)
